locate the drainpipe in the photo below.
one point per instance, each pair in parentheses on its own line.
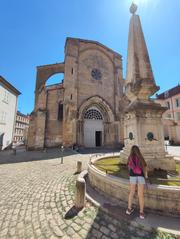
(172,109)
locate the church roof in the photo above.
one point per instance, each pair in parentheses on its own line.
(94,42)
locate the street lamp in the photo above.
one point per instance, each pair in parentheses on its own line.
(62,149)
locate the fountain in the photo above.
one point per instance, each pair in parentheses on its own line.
(142,127)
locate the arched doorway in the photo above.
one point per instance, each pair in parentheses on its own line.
(93,128)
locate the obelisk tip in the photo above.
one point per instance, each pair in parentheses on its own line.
(133,8)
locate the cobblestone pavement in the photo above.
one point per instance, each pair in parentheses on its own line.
(35,197)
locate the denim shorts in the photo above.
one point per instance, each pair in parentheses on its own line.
(137,180)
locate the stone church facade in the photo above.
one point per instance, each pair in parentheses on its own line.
(86,109)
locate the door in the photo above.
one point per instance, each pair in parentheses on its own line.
(98,136)
(91,138)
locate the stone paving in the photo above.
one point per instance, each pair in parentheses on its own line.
(35,197)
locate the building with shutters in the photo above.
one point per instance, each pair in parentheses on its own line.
(8,106)
(21,128)
(171,117)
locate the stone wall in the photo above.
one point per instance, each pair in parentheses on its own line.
(54,126)
(81,58)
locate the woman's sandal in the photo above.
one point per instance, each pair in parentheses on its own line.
(141,215)
(129,211)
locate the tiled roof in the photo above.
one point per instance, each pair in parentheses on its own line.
(169,93)
(21,114)
(9,86)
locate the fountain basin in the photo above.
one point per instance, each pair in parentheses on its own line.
(165,199)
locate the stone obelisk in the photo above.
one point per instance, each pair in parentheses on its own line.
(143,117)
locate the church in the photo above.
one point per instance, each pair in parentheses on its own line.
(86,109)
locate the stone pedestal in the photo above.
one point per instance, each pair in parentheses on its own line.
(143,127)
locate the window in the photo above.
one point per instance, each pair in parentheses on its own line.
(6,96)
(93,114)
(168,104)
(168,116)
(96,74)
(178,102)
(3,117)
(178,115)
(166,94)
(60,112)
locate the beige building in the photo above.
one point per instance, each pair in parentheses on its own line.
(21,127)
(171,117)
(86,109)
(8,104)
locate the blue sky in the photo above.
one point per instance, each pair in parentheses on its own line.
(33,32)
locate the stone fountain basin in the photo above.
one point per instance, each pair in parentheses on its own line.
(164,199)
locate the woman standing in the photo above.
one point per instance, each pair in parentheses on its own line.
(137,172)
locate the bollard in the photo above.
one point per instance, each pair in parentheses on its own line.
(79,167)
(80,193)
(62,150)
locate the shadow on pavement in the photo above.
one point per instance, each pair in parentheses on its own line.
(72,213)
(98,150)
(7,157)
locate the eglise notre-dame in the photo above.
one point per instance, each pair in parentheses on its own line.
(86,109)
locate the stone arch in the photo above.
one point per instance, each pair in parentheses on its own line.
(54,79)
(93,128)
(100,104)
(45,72)
(108,118)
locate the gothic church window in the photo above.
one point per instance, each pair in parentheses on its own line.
(93,114)
(96,74)
(60,112)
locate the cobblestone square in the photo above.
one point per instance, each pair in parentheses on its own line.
(36,192)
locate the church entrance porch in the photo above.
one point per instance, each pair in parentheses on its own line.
(93,128)
(96,125)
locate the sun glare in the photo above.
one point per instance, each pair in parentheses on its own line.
(146,3)
(138,2)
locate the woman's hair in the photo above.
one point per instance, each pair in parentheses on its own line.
(136,151)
